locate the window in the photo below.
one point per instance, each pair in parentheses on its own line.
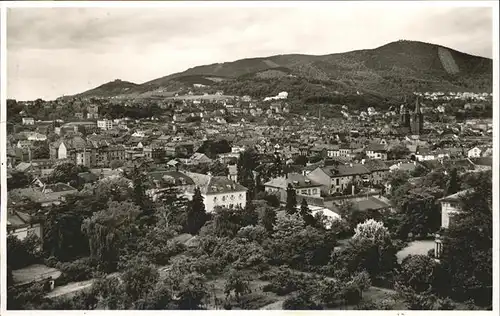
(314,191)
(303,192)
(241,196)
(337,181)
(215,199)
(232,197)
(224,199)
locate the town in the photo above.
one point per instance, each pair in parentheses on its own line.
(204,200)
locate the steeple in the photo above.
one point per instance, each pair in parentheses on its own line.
(417,106)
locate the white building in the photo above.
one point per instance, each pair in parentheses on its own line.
(28,121)
(218,191)
(62,151)
(449,206)
(105,124)
(474,152)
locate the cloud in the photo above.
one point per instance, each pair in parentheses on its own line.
(55,51)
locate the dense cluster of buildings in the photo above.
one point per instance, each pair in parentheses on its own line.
(345,158)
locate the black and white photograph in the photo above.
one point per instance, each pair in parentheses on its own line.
(250,156)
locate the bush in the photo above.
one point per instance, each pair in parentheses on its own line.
(300,301)
(78,270)
(351,295)
(329,293)
(161,254)
(431,253)
(385,304)
(51,262)
(399,244)
(285,281)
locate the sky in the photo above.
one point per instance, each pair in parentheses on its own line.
(62,51)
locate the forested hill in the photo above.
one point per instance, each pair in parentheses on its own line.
(391,70)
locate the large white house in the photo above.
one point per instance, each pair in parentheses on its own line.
(218,191)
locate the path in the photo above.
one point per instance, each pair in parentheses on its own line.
(74,287)
(419,247)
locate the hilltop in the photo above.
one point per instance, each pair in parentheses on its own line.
(394,69)
(110,89)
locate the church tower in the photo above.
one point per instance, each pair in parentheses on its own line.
(404,116)
(417,124)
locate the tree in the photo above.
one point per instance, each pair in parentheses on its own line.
(253,233)
(423,300)
(453,185)
(370,250)
(21,253)
(418,273)
(115,164)
(298,245)
(18,180)
(196,214)
(107,230)
(62,233)
(237,283)
(40,150)
(291,200)
(398,152)
(300,160)
(115,188)
(246,165)
(436,178)
(226,222)
(66,172)
(249,215)
(371,230)
(306,213)
(139,279)
(397,179)
(467,246)
(110,293)
(354,216)
(419,171)
(267,218)
(191,291)
(301,301)
(419,212)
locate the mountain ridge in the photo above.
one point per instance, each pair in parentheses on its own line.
(385,70)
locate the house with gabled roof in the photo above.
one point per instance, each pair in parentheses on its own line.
(304,187)
(335,179)
(47,195)
(376,151)
(218,191)
(23,225)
